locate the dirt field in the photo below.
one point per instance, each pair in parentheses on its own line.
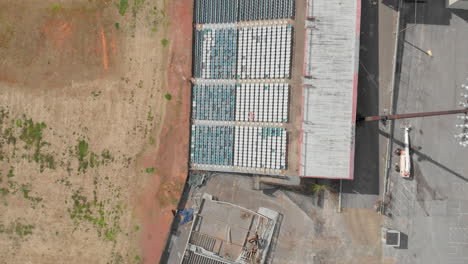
(93,128)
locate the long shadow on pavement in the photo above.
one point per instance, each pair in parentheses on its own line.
(424,157)
(463,14)
(366,163)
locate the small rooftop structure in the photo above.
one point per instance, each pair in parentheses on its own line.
(224,233)
(391,237)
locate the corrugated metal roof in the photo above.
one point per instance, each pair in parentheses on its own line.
(332,48)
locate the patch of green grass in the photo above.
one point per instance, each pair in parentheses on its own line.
(26,189)
(158,18)
(316,188)
(23,230)
(150,116)
(137,258)
(150,170)
(106,157)
(81,207)
(4,191)
(93,160)
(116,258)
(10,173)
(87,158)
(82,151)
(136,228)
(137,4)
(8,135)
(165,42)
(94,212)
(17,228)
(110,234)
(122,6)
(140,84)
(13,186)
(45,160)
(56,7)
(168,96)
(96,94)
(117,26)
(3,115)
(152,140)
(31,132)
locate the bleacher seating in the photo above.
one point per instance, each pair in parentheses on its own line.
(226,54)
(264,52)
(260,147)
(265,9)
(212,145)
(262,102)
(231,11)
(214,102)
(216,11)
(215,53)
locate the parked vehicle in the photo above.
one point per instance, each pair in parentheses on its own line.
(404,166)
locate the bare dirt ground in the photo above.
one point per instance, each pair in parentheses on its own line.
(93,128)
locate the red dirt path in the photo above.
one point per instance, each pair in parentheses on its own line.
(171,159)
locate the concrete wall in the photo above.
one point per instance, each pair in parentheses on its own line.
(457,4)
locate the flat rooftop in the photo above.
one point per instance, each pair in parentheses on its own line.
(227,233)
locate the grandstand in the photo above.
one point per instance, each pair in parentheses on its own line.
(262,102)
(214,102)
(239,146)
(260,147)
(240,92)
(275,87)
(264,52)
(212,145)
(231,11)
(215,53)
(245,53)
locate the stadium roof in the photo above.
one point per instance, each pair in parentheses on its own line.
(330,89)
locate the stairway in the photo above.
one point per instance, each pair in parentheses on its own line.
(202,240)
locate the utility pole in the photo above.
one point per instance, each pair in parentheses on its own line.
(384,118)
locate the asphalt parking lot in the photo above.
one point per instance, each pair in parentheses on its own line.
(432,208)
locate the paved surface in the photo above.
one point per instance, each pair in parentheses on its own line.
(431,209)
(238,190)
(378,23)
(307,233)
